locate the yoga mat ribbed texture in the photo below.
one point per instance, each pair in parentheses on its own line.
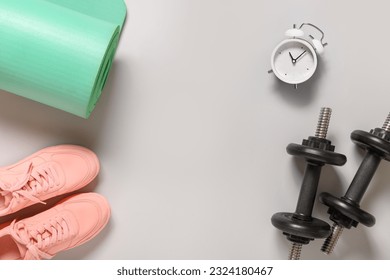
(59,52)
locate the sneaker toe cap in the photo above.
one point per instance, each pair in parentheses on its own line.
(91,213)
(78,165)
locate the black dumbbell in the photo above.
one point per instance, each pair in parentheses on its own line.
(345,212)
(300,227)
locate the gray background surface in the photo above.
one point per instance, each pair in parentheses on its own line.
(191,130)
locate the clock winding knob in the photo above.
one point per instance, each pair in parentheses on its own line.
(294,32)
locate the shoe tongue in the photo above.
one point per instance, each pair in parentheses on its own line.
(7,200)
(12,178)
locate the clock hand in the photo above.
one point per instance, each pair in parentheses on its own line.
(300,55)
(293,60)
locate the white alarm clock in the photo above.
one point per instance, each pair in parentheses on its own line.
(295,59)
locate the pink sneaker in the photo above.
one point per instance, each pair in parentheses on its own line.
(70,223)
(47,173)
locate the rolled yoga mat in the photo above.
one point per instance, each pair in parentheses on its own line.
(59,52)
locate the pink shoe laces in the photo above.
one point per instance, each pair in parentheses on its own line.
(31,184)
(36,240)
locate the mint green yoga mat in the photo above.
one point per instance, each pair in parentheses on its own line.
(59,52)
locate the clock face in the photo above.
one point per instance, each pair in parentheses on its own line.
(294,61)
